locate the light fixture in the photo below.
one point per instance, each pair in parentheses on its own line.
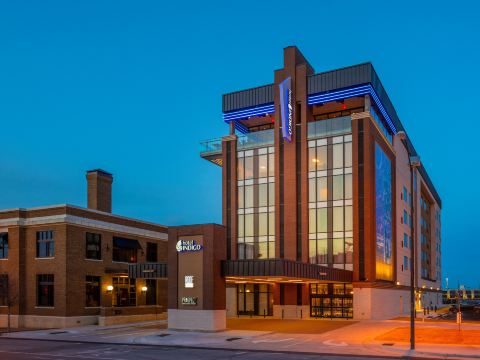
(398,282)
(109,288)
(315,160)
(144,288)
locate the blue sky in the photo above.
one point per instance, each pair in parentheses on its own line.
(132,87)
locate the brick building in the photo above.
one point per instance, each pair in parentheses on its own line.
(68,265)
(325,202)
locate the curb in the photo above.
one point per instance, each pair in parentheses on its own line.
(414,357)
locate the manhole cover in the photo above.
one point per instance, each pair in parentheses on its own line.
(233,338)
(388,344)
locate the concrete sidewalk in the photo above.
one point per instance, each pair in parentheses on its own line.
(355,339)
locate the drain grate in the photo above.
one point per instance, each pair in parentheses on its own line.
(163,335)
(388,344)
(233,339)
(58,332)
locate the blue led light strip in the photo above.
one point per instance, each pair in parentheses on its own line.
(249,112)
(351,92)
(312,99)
(240,127)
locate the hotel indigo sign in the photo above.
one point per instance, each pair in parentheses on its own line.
(188,245)
(286,108)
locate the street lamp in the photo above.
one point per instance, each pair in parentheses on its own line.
(414,162)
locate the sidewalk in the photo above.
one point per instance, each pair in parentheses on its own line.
(358,338)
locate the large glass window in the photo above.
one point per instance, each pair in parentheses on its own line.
(330,201)
(331,300)
(93,246)
(383,214)
(45,244)
(45,290)
(256,204)
(151,295)
(92,291)
(124,291)
(3,245)
(152,252)
(125,250)
(4,289)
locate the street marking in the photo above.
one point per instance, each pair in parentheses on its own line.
(332,343)
(270,340)
(58,355)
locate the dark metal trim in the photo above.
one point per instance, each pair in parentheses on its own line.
(284,268)
(148,271)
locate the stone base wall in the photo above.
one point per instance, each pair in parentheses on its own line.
(291,311)
(197,320)
(47,322)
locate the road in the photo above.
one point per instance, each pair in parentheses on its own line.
(11,349)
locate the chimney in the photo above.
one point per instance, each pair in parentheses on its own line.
(99,190)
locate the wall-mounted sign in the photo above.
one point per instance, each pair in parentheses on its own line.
(189,281)
(188,245)
(286,108)
(189,300)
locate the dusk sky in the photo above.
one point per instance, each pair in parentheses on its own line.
(132,87)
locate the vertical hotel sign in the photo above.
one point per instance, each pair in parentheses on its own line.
(286,108)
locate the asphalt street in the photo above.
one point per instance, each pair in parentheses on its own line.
(11,349)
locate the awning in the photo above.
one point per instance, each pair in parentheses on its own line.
(126,243)
(283,269)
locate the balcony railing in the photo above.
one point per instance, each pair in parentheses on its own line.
(255,139)
(211,147)
(244,141)
(329,127)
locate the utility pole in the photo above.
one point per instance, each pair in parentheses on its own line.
(414,163)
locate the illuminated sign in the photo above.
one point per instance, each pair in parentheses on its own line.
(286,108)
(189,281)
(189,300)
(188,245)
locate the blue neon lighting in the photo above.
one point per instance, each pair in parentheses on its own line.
(269,108)
(249,112)
(240,127)
(351,92)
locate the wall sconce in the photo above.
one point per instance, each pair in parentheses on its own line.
(398,282)
(144,289)
(109,289)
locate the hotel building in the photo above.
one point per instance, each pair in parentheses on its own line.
(323,197)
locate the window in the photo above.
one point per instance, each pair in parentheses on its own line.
(152,252)
(45,244)
(3,245)
(405,197)
(405,217)
(151,295)
(405,263)
(45,290)
(3,289)
(330,215)
(405,240)
(93,246)
(92,291)
(124,291)
(125,250)
(256,200)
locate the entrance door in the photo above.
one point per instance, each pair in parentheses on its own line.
(255,299)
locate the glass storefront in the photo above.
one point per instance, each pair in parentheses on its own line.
(255,299)
(331,300)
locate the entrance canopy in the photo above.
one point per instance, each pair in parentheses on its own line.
(281,270)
